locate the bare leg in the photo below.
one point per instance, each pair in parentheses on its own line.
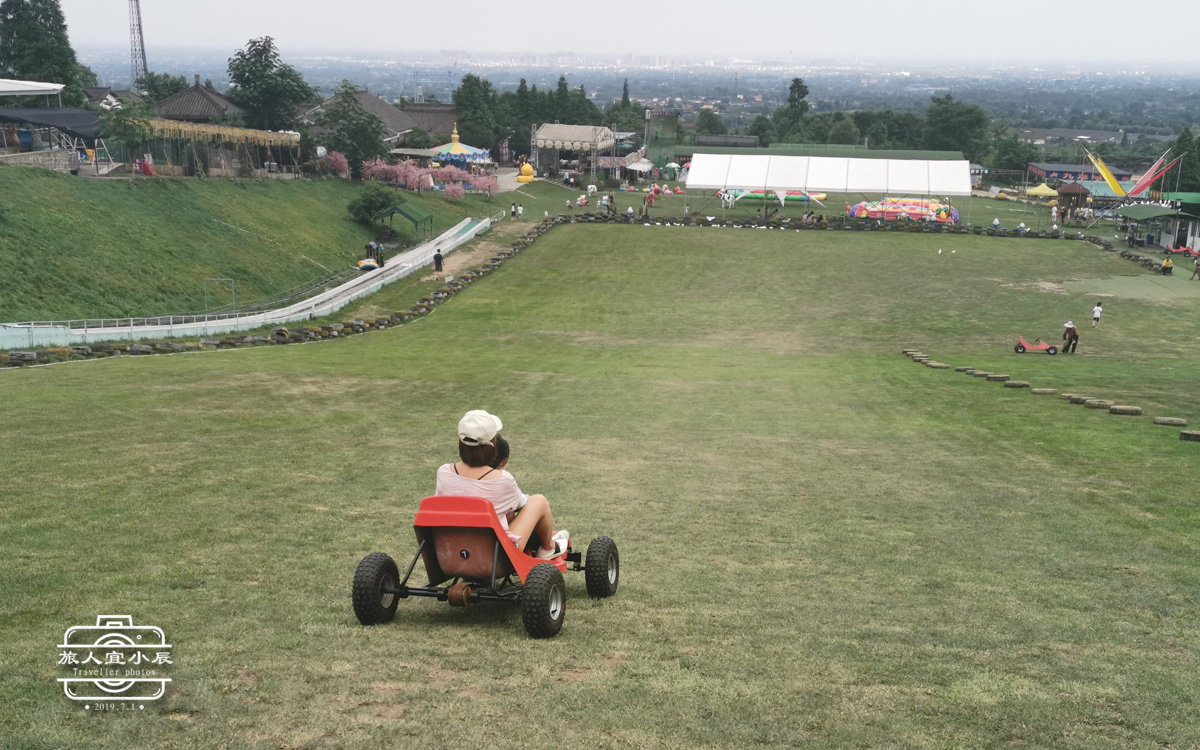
(535,515)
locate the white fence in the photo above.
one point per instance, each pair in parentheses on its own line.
(82,332)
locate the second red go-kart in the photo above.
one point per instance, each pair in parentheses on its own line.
(465,548)
(1040,346)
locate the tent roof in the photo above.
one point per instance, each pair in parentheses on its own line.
(574,137)
(1073,188)
(414,212)
(1042,189)
(1144,211)
(830,174)
(10,87)
(820,149)
(80,123)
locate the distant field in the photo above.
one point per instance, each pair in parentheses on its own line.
(823,544)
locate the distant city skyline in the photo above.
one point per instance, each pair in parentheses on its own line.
(1019,31)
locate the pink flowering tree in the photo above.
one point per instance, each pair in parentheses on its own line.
(338,163)
(455,191)
(488,185)
(378,169)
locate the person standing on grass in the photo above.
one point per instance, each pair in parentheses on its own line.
(512,212)
(1096,314)
(437,263)
(1196,273)
(1071,337)
(521,212)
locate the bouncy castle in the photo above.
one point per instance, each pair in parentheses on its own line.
(916,209)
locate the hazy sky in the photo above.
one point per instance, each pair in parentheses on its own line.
(977,30)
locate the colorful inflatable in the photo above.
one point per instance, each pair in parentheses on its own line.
(526,173)
(916,209)
(368,264)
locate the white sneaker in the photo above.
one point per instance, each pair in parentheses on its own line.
(560,539)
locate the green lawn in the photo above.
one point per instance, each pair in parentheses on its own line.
(74,248)
(823,543)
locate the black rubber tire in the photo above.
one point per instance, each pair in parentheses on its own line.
(371,605)
(1019,349)
(602,568)
(544,601)
(1052,351)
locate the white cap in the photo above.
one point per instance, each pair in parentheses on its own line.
(1068,324)
(478,427)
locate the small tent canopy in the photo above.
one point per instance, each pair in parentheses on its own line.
(10,87)
(1146,211)
(1042,190)
(415,213)
(822,174)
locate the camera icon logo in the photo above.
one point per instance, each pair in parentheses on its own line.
(114,660)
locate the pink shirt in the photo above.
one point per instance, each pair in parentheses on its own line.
(502,490)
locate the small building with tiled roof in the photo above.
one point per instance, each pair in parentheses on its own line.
(433,117)
(395,120)
(200,104)
(106,98)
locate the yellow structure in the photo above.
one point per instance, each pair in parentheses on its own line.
(526,173)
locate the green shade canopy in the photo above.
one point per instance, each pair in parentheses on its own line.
(1146,211)
(414,212)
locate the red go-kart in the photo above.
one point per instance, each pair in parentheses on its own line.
(466,549)
(1039,346)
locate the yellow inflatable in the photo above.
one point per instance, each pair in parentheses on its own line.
(526,173)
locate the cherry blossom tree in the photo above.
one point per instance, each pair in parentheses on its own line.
(454,192)
(338,162)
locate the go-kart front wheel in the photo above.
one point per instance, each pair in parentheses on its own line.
(1052,351)
(376,575)
(1019,349)
(602,568)
(544,601)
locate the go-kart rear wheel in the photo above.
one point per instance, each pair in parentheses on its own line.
(544,601)
(1052,351)
(1019,349)
(602,568)
(375,573)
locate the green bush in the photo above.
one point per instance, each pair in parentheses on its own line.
(374,198)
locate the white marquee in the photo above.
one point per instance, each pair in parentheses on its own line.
(824,174)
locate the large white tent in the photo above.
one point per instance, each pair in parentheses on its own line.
(10,87)
(824,174)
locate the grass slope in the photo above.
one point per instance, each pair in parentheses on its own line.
(823,544)
(73,248)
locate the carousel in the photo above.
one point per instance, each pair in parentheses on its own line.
(461,154)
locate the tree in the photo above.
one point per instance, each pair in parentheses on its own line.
(843,130)
(351,128)
(956,126)
(625,94)
(707,123)
(419,138)
(127,127)
(1185,145)
(374,198)
(158,86)
(34,46)
(798,95)
(271,92)
(1010,152)
(764,129)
